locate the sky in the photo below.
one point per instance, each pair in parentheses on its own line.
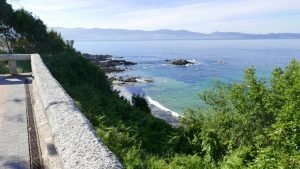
(249,16)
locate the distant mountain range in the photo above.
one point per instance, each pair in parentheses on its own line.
(81,34)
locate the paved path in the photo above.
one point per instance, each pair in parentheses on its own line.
(14,150)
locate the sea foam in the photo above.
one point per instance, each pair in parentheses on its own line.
(160,106)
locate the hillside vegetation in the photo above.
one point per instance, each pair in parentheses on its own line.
(251,124)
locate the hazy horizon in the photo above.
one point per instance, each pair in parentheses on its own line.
(169,30)
(247,16)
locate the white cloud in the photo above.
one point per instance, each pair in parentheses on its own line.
(205,16)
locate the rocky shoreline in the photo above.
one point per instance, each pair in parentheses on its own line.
(112,66)
(108,64)
(115,65)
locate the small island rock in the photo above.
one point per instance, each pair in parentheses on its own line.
(181,62)
(131,79)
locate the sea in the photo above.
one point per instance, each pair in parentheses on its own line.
(177,88)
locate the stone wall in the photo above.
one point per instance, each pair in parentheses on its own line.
(75,140)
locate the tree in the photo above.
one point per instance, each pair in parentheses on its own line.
(22,32)
(7,33)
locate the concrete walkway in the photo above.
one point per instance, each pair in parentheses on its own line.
(14,149)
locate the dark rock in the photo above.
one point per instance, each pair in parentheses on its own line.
(181,62)
(148,80)
(127,63)
(107,64)
(116,63)
(97,57)
(131,79)
(111,69)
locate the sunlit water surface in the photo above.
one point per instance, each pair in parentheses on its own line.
(177,87)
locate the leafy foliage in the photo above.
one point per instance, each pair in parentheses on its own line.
(3,68)
(140,102)
(252,124)
(25,33)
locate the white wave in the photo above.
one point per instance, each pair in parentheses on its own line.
(123,91)
(158,105)
(191,60)
(189,65)
(141,80)
(128,95)
(194,62)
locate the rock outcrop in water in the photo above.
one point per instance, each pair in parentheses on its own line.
(181,62)
(108,64)
(131,79)
(122,80)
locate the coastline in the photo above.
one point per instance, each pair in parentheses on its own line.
(157,110)
(113,65)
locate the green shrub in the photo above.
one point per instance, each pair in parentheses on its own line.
(252,124)
(140,102)
(3,68)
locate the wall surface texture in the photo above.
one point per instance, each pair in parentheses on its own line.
(75,140)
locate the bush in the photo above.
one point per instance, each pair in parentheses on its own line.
(140,102)
(251,124)
(3,68)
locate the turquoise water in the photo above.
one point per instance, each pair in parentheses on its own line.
(176,87)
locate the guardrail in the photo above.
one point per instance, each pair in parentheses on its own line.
(12,58)
(74,137)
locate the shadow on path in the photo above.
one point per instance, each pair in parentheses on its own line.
(17,165)
(15,162)
(13,80)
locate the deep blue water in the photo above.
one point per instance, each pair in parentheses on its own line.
(176,87)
